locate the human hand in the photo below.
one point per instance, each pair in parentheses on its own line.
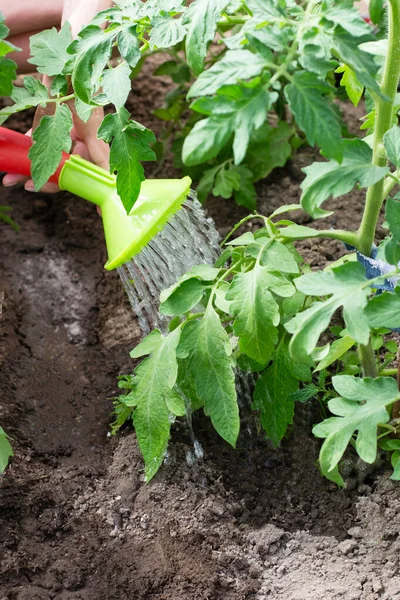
(84,142)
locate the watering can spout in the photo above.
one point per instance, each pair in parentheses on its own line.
(125,234)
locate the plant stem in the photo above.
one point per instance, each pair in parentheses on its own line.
(367,356)
(384,111)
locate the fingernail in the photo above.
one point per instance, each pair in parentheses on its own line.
(30,188)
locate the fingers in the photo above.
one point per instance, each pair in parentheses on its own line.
(87,144)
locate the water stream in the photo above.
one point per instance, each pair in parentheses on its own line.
(188,239)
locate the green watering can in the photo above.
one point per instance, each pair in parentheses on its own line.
(125,235)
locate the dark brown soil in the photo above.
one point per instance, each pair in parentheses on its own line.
(77,521)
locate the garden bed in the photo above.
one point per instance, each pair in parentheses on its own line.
(77,521)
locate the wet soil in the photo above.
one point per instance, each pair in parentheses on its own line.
(77,521)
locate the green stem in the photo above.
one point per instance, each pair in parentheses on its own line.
(367,356)
(390,182)
(388,372)
(384,111)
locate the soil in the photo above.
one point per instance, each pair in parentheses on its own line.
(77,521)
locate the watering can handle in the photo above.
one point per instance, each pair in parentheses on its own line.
(14,148)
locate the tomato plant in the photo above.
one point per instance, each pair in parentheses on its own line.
(264,311)
(264,88)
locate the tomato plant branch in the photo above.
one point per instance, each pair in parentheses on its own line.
(384,110)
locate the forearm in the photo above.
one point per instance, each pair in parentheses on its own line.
(79,13)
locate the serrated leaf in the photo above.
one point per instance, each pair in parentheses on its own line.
(234,66)
(336,351)
(361,407)
(256,313)
(91,51)
(226,181)
(31,95)
(384,310)
(148,344)
(392,214)
(130,144)
(117,84)
(176,404)
(83,110)
(246,195)
(276,255)
(272,396)
(347,288)
(8,74)
(349,19)
(346,48)
(49,50)
(205,346)
(201,19)
(305,393)
(51,139)
(326,179)
(155,378)
(166,32)
(128,45)
(206,140)
(183,299)
(313,113)
(6,450)
(391,141)
(349,81)
(269,148)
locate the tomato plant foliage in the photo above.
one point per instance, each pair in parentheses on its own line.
(254,79)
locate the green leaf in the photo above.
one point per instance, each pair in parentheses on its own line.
(269,148)
(83,110)
(246,195)
(326,179)
(226,181)
(31,95)
(299,232)
(49,50)
(51,138)
(376,11)
(183,299)
(201,19)
(234,66)
(92,52)
(206,140)
(384,310)
(336,351)
(361,407)
(181,294)
(117,84)
(206,348)
(5,450)
(8,74)
(349,19)
(395,460)
(277,255)
(154,382)
(305,393)
(347,288)
(314,115)
(256,313)
(166,32)
(148,344)
(391,141)
(272,396)
(130,144)
(349,81)
(392,214)
(346,48)
(176,404)
(128,45)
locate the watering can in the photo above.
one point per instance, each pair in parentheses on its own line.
(125,234)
